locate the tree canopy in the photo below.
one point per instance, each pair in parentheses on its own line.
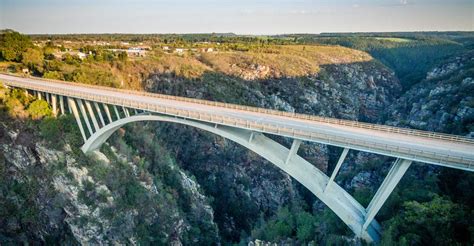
(12,45)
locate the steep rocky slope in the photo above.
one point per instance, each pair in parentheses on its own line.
(50,194)
(443,102)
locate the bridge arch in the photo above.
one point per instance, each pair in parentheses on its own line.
(351,212)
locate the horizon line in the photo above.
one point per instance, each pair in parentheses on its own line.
(239,34)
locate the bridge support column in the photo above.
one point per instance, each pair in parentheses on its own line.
(47,97)
(116,112)
(107,112)
(393,177)
(75,112)
(40,97)
(92,115)
(293,150)
(55,105)
(125,111)
(61,104)
(99,112)
(336,169)
(84,115)
(251,136)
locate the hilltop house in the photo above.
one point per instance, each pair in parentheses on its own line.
(59,55)
(180,50)
(132,52)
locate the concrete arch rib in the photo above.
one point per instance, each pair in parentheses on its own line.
(336,198)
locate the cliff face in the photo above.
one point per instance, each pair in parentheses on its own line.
(53,195)
(443,102)
(30,210)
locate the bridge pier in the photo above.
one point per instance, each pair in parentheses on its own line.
(116,112)
(84,116)
(107,112)
(99,112)
(293,150)
(54,104)
(92,115)
(72,106)
(398,169)
(61,104)
(125,111)
(336,169)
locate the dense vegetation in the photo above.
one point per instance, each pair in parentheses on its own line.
(409,55)
(431,206)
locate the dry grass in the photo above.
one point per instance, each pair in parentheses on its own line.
(283,61)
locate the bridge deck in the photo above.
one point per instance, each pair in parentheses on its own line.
(432,148)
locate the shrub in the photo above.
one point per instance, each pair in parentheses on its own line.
(39,109)
(15,108)
(437,222)
(51,130)
(95,76)
(33,59)
(53,75)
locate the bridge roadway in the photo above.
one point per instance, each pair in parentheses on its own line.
(427,147)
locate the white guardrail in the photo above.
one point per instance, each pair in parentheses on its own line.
(430,157)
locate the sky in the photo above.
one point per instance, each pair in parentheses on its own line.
(237,16)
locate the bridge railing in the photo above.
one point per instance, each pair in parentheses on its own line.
(384,128)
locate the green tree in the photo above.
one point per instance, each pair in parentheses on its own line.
(437,222)
(33,59)
(13,44)
(39,109)
(53,75)
(305,226)
(51,130)
(15,101)
(95,76)
(71,60)
(286,224)
(123,56)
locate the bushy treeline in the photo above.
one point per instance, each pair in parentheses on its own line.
(162,38)
(410,55)
(41,61)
